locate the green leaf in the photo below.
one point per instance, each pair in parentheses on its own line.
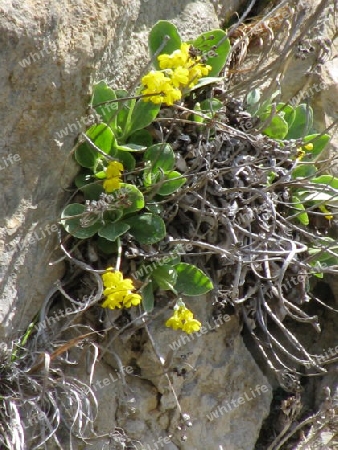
(134,196)
(316,196)
(157,37)
(328,180)
(73,226)
(142,115)
(141,137)
(298,206)
(278,127)
(319,143)
(102,136)
(111,216)
(165,277)
(103,93)
(131,148)
(161,156)
(147,229)
(303,122)
(175,181)
(83,178)
(206,42)
(304,171)
(105,246)
(111,231)
(147,294)
(101,175)
(211,105)
(191,281)
(287,112)
(322,257)
(154,207)
(92,191)
(127,160)
(205,81)
(123,115)
(252,101)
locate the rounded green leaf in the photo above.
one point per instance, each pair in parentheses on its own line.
(205,81)
(157,38)
(74,226)
(211,105)
(165,277)
(154,207)
(206,42)
(101,175)
(147,294)
(319,143)
(278,127)
(328,180)
(83,178)
(105,246)
(302,123)
(102,136)
(86,156)
(127,160)
(191,281)
(287,112)
(147,229)
(252,101)
(134,197)
(103,93)
(92,191)
(160,156)
(141,137)
(111,231)
(142,115)
(175,181)
(304,171)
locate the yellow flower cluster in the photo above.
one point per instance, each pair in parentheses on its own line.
(118,290)
(301,150)
(179,70)
(113,179)
(183,319)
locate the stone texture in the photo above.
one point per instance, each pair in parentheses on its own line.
(212,372)
(48,52)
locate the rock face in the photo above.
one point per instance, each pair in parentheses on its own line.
(51,53)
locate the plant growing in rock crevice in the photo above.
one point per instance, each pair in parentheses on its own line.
(178,200)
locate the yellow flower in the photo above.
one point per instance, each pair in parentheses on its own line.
(113,174)
(180,76)
(155,80)
(191,326)
(301,151)
(176,59)
(308,147)
(180,70)
(118,291)
(114,169)
(171,95)
(161,87)
(325,210)
(300,154)
(110,185)
(183,319)
(196,72)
